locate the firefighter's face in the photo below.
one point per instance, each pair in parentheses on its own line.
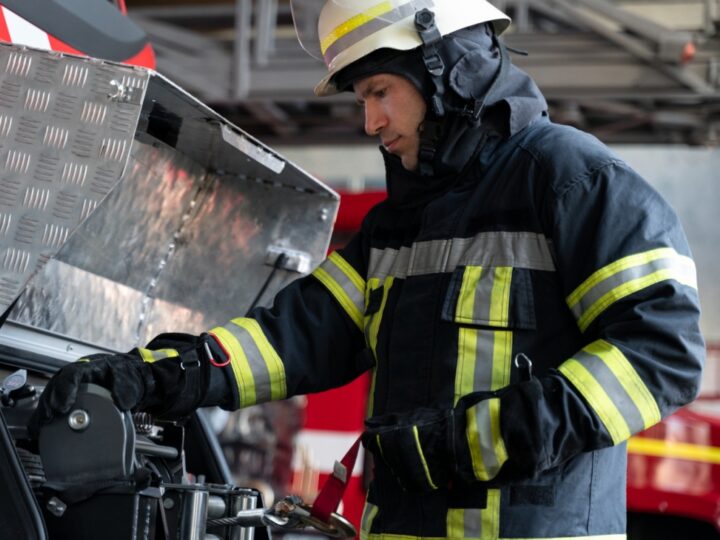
(394,110)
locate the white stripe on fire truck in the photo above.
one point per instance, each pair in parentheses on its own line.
(23,32)
(320,449)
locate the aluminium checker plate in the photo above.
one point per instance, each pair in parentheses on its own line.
(66,129)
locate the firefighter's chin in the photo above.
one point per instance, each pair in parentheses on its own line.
(409,161)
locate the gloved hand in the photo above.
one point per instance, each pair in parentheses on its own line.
(171,378)
(429,448)
(127,376)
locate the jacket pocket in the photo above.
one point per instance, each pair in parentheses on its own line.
(490,296)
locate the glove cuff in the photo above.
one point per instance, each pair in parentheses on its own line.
(190,378)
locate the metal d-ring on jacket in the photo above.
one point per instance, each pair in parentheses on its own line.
(547,245)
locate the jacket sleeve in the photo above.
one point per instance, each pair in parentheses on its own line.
(631,285)
(310,340)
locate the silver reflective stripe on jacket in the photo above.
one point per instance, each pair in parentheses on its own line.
(513,249)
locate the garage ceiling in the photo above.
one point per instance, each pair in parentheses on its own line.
(634,71)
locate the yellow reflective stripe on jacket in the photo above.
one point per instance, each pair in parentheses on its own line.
(487,449)
(259,372)
(484,355)
(371,396)
(613,388)
(420,452)
(368,516)
(374,319)
(500,297)
(484,360)
(628,276)
(150,356)
(372,327)
(465,309)
(485,296)
(476,523)
(345,284)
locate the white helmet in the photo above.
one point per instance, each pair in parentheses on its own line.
(343,31)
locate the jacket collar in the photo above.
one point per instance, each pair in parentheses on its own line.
(519,103)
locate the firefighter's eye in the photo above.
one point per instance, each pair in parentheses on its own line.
(380,93)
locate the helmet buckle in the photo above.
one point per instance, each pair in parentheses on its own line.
(434,64)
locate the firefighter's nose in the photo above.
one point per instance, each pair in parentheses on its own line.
(375,119)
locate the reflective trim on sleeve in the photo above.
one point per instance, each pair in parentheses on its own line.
(613,388)
(259,372)
(510,249)
(628,276)
(420,452)
(368,516)
(487,449)
(475,523)
(345,284)
(151,356)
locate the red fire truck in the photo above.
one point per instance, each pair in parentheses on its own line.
(96,29)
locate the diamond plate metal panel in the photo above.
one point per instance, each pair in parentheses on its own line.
(66,127)
(172,248)
(181,215)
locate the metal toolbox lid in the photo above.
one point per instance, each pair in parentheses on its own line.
(129,208)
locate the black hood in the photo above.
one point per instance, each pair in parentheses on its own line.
(473,59)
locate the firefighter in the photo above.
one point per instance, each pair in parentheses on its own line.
(525,300)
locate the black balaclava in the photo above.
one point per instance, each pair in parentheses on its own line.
(472,76)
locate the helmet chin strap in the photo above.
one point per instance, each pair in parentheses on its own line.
(431,128)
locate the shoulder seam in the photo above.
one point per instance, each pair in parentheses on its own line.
(585,175)
(582,176)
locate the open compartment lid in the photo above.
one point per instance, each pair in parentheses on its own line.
(129,208)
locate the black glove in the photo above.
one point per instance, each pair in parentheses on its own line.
(172,382)
(127,377)
(429,448)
